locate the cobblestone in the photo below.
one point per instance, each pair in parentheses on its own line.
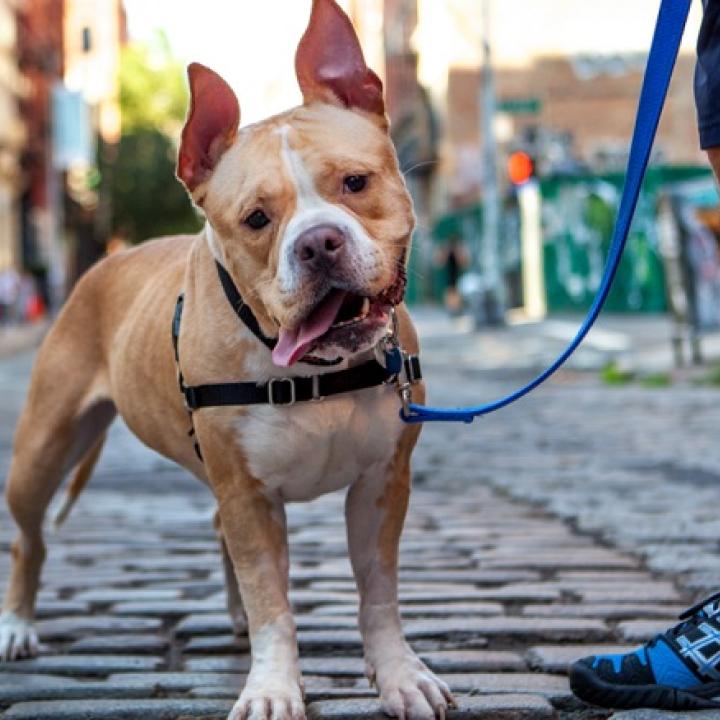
(663,715)
(616,611)
(119,710)
(641,630)
(499,707)
(120,644)
(83,665)
(468,661)
(67,690)
(556,658)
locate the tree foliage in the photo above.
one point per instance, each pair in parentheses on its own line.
(153,92)
(147,199)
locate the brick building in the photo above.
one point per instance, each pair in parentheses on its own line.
(94,33)
(585,105)
(40,57)
(12,135)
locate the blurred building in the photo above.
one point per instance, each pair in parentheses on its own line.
(414,127)
(12,136)
(94,32)
(67,52)
(570,112)
(40,58)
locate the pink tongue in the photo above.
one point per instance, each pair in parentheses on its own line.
(293,344)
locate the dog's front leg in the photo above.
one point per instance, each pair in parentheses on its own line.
(254,530)
(253,526)
(375,511)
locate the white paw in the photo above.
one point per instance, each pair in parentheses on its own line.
(410,691)
(269,699)
(18,638)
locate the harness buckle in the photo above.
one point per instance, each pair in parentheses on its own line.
(275,382)
(316,396)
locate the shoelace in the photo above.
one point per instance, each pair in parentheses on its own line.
(700,607)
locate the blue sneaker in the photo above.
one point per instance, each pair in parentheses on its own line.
(678,670)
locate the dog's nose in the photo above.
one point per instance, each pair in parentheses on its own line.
(320,247)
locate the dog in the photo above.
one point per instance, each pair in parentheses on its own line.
(309,221)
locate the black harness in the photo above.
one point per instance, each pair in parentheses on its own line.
(397,367)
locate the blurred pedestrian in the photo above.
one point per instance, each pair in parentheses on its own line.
(29,306)
(453,258)
(680,668)
(9,289)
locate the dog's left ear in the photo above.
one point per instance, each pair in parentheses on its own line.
(211,125)
(330,64)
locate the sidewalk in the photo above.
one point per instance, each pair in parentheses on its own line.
(637,342)
(524,550)
(19,338)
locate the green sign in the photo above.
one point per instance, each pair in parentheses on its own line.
(520,106)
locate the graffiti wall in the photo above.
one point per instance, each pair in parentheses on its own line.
(578,220)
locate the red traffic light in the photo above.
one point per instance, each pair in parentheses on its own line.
(520,168)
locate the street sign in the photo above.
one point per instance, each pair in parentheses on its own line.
(520,106)
(72,138)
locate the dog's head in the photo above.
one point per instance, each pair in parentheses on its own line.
(308,210)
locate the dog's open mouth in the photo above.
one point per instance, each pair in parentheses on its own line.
(337,313)
(341,318)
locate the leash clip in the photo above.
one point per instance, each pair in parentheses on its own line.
(405,392)
(391,339)
(388,351)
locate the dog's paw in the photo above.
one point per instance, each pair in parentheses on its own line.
(18,638)
(410,691)
(270,700)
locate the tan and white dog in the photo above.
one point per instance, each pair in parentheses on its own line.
(310,216)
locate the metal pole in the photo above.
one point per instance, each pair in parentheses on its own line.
(492,307)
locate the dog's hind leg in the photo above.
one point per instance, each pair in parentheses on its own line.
(232,589)
(78,481)
(66,412)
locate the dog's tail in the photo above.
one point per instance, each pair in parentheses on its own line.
(79,480)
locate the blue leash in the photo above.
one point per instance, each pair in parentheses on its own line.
(661,62)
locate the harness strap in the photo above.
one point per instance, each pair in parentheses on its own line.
(177,318)
(661,62)
(287,391)
(246,315)
(242,310)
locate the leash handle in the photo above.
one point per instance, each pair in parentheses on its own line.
(658,73)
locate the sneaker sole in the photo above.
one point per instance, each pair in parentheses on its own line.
(594,690)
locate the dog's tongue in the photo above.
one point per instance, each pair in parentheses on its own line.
(293,344)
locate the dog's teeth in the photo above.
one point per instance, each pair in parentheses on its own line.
(364,312)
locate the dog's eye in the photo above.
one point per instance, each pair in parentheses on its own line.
(355,183)
(257,220)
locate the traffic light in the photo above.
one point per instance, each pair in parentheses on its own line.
(520,167)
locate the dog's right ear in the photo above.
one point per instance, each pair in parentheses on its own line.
(211,125)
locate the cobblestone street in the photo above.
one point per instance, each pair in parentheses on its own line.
(583,517)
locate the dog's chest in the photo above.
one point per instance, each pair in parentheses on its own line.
(314,448)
